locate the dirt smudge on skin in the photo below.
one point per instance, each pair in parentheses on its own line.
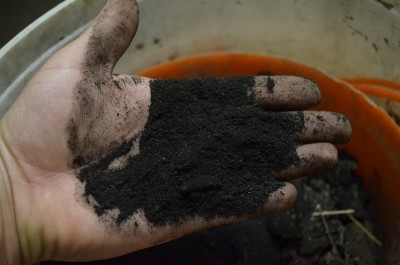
(270,84)
(100,100)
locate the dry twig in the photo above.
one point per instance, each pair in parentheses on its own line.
(328,232)
(349,213)
(364,230)
(338,212)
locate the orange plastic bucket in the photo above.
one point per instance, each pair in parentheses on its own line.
(376,138)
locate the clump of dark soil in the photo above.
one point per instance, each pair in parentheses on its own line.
(290,237)
(207,150)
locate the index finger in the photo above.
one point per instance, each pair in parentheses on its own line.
(285,93)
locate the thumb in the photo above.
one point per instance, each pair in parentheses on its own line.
(111,33)
(99,48)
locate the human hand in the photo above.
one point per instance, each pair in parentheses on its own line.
(95,165)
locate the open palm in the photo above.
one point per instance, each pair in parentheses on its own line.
(73,112)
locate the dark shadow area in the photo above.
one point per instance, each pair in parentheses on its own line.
(15,15)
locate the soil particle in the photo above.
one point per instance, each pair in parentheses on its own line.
(207,150)
(321,118)
(270,84)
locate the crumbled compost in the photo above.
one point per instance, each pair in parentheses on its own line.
(207,150)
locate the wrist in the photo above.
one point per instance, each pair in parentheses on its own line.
(9,240)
